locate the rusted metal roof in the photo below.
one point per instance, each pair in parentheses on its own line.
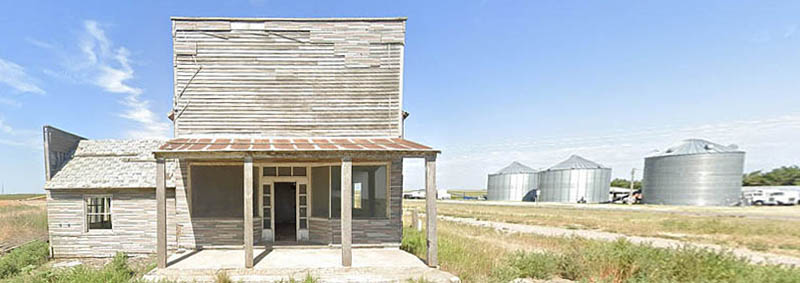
(291,144)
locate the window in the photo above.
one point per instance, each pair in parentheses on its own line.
(98,213)
(218,191)
(369,192)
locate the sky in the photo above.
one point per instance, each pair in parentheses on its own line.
(487,82)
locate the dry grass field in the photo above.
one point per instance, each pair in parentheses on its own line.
(480,254)
(22,220)
(767,229)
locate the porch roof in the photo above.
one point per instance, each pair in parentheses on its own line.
(293,146)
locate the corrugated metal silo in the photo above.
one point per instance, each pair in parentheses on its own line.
(575,180)
(694,172)
(511,183)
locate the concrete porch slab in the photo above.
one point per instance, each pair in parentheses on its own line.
(324,264)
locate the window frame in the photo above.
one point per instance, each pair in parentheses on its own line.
(86,214)
(387,165)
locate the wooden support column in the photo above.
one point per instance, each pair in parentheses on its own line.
(248,212)
(430,206)
(347,211)
(161,213)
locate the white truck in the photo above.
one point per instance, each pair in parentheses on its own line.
(772,197)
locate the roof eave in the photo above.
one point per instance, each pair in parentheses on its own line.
(224,154)
(346,19)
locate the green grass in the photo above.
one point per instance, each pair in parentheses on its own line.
(117,270)
(621,261)
(28,264)
(23,258)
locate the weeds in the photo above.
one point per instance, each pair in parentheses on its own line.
(308,279)
(222,277)
(413,242)
(478,254)
(621,261)
(25,257)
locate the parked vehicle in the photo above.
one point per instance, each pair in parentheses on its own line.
(771,197)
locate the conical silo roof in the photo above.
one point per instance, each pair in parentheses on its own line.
(696,146)
(515,168)
(577,162)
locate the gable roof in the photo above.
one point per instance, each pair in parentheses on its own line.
(105,164)
(696,146)
(515,168)
(577,162)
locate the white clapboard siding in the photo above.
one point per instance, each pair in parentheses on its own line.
(277,77)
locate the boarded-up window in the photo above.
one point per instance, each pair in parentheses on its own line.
(218,191)
(98,213)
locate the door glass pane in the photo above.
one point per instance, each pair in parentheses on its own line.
(302,189)
(299,171)
(303,212)
(284,171)
(302,200)
(303,223)
(270,171)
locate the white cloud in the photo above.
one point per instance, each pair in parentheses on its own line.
(109,68)
(769,142)
(15,76)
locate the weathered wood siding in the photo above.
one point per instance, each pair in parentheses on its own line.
(288,77)
(134,222)
(133,214)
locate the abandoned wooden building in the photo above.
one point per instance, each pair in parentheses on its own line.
(275,120)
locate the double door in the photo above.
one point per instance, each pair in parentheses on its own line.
(282,200)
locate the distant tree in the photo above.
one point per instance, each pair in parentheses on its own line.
(622,183)
(784,176)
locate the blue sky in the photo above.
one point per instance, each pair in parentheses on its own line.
(488,82)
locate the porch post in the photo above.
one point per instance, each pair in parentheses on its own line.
(161,213)
(430,206)
(248,212)
(347,211)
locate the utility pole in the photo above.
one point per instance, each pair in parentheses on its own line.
(630,195)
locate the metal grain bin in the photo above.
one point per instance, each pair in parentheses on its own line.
(513,182)
(575,180)
(694,172)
